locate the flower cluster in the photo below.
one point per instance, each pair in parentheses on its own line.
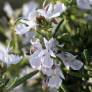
(43,56)
(43,60)
(30,18)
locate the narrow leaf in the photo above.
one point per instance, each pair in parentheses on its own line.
(23,79)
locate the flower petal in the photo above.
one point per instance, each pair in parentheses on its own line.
(12,59)
(49,8)
(54,82)
(58,9)
(47,71)
(28,8)
(51,44)
(28,36)
(47,62)
(76,64)
(58,72)
(83,4)
(32,15)
(25,26)
(22,29)
(4,49)
(36,44)
(35,60)
(66,56)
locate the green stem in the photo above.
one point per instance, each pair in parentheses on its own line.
(14,37)
(63,87)
(15,42)
(57,28)
(85,54)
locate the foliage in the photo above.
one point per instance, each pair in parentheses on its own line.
(27,38)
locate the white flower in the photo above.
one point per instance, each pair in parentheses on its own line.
(41,60)
(41,57)
(25,26)
(70,60)
(8,58)
(8,9)
(52,11)
(84,4)
(29,19)
(55,76)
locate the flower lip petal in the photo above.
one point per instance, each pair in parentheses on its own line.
(47,71)
(54,82)
(76,64)
(47,62)
(35,63)
(58,71)
(70,61)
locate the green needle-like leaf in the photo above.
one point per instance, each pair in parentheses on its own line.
(22,80)
(57,28)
